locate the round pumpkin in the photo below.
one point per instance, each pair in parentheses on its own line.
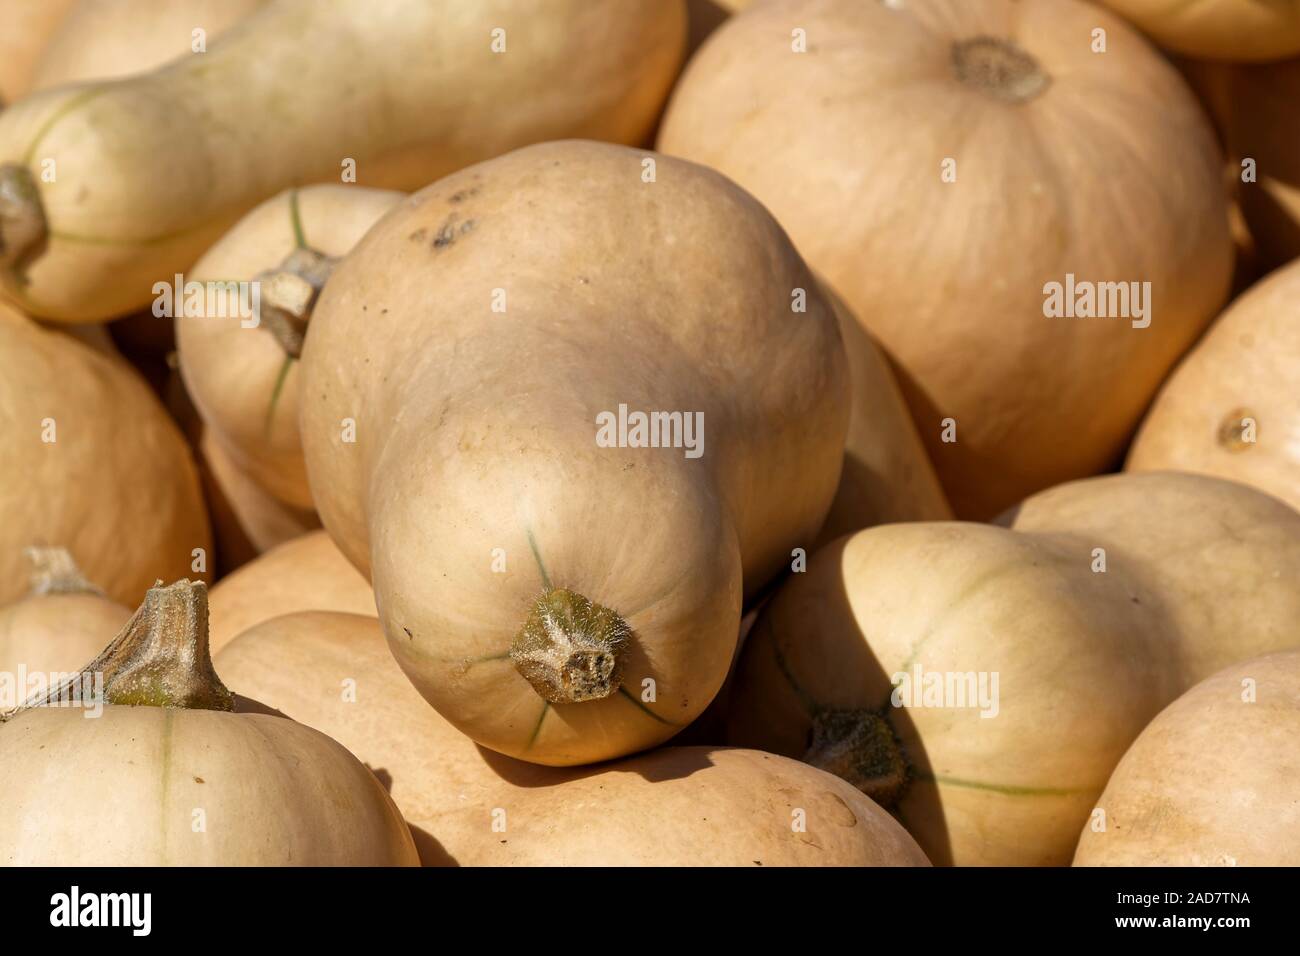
(1212,781)
(1232,408)
(308,573)
(91,462)
(880,661)
(1218,29)
(558,573)
(949,162)
(678,806)
(62,624)
(205,785)
(244,378)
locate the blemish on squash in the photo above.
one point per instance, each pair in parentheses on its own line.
(450,231)
(408,633)
(462,194)
(199,780)
(419,235)
(1231,429)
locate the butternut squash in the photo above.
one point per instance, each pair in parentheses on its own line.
(64,622)
(104,39)
(1218,29)
(677,806)
(108,188)
(28,27)
(559,589)
(91,462)
(308,573)
(1100,603)
(950,162)
(242,372)
(1212,781)
(1232,408)
(206,785)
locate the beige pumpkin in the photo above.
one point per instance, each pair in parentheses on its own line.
(103,39)
(678,806)
(243,376)
(880,661)
(949,162)
(1212,781)
(246,519)
(91,462)
(1235,30)
(152,169)
(28,27)
(60,626)
(167,744)
(1232,408)
(557,589)
(308,573)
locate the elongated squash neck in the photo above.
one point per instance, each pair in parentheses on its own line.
(289,295)
(998,68)
(55,572)
(570,649)
(161,657)
(22,217)
(861,747)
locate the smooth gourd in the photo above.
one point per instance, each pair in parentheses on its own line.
(209,780)
(103,39)
(982,682)
(308,573)
(1212,781)
(1218,29)
(481,371)
(64,622)
(949,163)
(91,462)
(1232,407)
(28,27)
(677,806)
(111,187)
(242,370)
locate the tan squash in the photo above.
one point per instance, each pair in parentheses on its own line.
(151,170)
(243,372)
(61,625)
(306,574)
(1232,408)
(948,163)
(1212,781)
(558,599)
(1218,29)
(104,39)
(169,774)
(676,806)
(1199,573)
(26,26)
(91,462)
(246,519)
(1253,106)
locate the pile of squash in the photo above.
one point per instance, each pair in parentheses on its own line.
(649,432)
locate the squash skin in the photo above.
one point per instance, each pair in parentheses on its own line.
(118,486)
(243,382)
(163,763)
(1234,804)
(1246,366)
(952,290)
(28,28)
(1200,572)
(101,40)
(678,806)
(305,574)
(1217,29)
(141,173)
(57,633)
(442,399)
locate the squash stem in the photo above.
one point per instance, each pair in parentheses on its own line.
(288,295)
(999,68)
(160,658)
(23,230)
(55,572)
(571,650)
(860,746)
